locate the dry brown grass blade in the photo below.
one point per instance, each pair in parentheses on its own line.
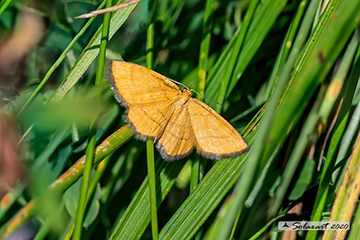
(332,125)
(106,10)
(347,196)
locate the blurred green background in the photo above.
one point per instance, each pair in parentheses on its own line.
(284,72)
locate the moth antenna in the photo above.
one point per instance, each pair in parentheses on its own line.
(205,97)
(179,83)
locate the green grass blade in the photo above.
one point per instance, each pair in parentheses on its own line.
(208,194)
(91,51)
(277,66)
(346,146)
(108,146)
(89,160)
(289,43)
(325,179)
(235,54)
(4,4)
(348,194)
(310,71)
(137,216)
(58,61)
(265,16)
(296,155)
(152,187)
(9,199)
(120,173)
(309,133)
(150,143)
(252,166)
(84,195)
(103,43)
(201,83)
(179,225)
(205,45)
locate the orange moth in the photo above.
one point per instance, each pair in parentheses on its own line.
(178,123)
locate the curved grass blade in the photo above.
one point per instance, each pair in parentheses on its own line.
(263,19)
(108,146)
(310,70)
(311,73)
(58,62)
(348,194)
(325,179)
(4,5)
(137,216)
(235,54)
(199,205)
(91,51)
(315,120)
(208,194)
